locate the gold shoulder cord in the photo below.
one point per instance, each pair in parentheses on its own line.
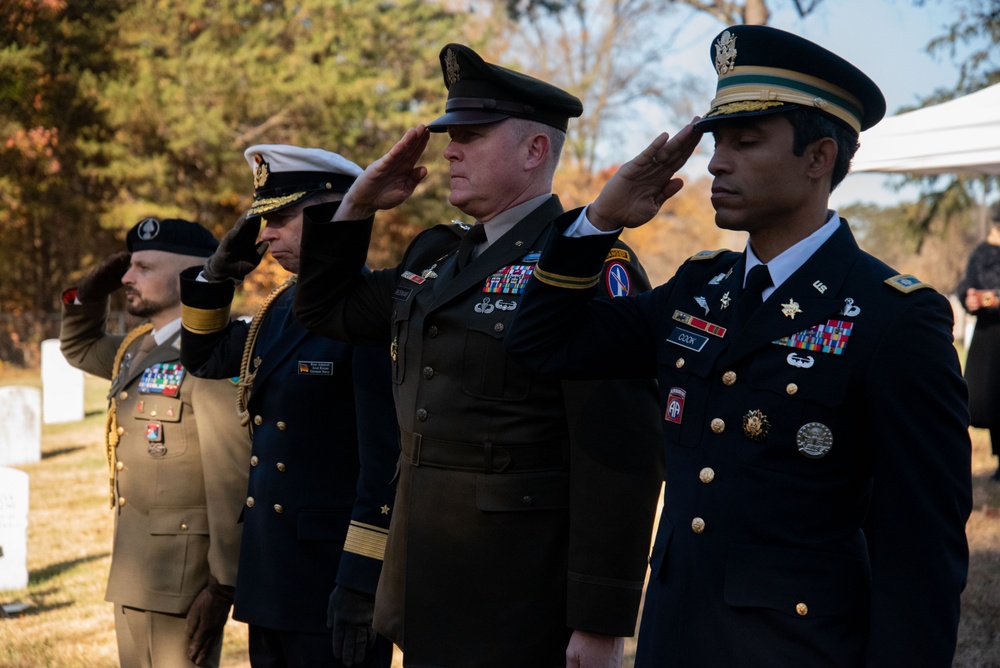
(245,383)
(111,426)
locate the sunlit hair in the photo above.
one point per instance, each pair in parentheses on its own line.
(810,126)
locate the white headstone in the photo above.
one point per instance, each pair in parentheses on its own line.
(62,386)
(20,425)
(13,529)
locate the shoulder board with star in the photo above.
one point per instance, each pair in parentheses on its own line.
(706,254)
(906,283)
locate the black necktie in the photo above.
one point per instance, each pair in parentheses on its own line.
(467,248)
(758,280)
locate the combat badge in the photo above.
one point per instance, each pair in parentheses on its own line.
(756,425)
(814,440)
(790,309)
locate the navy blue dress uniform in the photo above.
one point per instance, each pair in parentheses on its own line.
(517,520)
(817,452)
(176,457)
(324,435)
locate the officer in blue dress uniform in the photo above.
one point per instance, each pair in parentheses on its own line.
(325,440)
(813,411)
(518,540)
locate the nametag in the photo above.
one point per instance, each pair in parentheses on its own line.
(686,339)
(307,368)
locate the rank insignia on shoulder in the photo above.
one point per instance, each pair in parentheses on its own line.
(707,254)
(618,254)
(906,283)
(617,280)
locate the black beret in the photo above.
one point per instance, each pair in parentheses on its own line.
(763,70)
(171,235)
(481,92)
(284,175)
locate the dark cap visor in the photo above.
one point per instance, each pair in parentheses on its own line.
(465,117)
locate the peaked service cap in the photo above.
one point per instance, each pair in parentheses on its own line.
(284,175)
(480,92)
(763,70)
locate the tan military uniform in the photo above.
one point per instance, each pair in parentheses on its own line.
(179,479)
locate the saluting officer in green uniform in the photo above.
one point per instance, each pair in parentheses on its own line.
(520,534)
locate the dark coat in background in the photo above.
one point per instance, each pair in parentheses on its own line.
(817,457)
(525,504)
(982,364)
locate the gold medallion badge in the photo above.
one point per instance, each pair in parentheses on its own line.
(756,425)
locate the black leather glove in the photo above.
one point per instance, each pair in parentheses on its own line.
(349,613)
(206,618)
(238,253)
(104,279)
(321,213)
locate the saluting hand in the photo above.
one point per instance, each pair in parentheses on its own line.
(640,187)
(388,181)
(105,278)
(238,253)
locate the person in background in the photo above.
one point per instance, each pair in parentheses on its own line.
(979,291)
(524,512)
(175,448)
(814,414)
(325,440)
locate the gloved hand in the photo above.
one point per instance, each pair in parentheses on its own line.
(349,613)
(105,278)
(238,253)
(206,619)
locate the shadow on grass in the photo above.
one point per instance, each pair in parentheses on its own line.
(51,571)
(49,454)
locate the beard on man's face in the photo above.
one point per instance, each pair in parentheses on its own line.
(142,308)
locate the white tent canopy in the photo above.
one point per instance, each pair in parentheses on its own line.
(961,136)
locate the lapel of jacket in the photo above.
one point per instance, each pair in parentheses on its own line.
(813,291)
(279,338)
(719,297)
(518,242)
(168,351)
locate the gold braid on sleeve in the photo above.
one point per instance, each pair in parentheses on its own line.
(111,425)
(247,376)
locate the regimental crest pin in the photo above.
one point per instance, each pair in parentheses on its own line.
(725,301)
(756,425)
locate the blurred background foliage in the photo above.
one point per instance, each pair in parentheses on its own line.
(113,110)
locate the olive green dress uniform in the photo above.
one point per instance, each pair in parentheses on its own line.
(521,514)
(180,477)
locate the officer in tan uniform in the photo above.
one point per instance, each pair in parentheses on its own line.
(177,479)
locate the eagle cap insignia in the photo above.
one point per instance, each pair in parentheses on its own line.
(725,52)
(261,173)
(451,68)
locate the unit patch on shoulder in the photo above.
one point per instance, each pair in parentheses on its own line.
(617,281)
(707,254)
(618,254)
(906,283)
